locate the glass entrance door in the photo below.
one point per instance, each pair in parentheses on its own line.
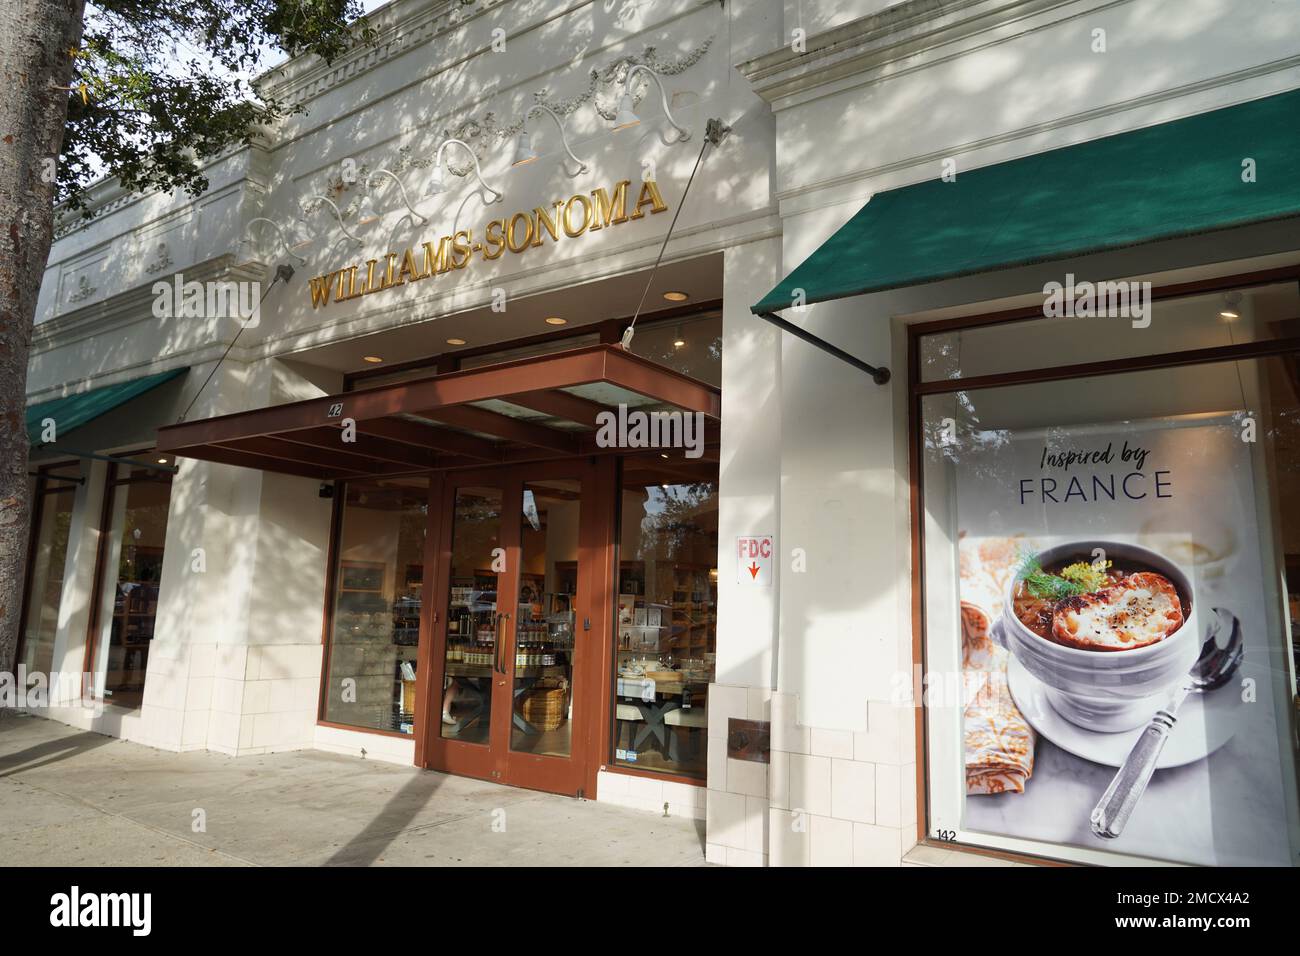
(518,632)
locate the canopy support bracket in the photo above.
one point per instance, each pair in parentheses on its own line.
(879,374)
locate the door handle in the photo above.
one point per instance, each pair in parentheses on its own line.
(496,646)
(504,660)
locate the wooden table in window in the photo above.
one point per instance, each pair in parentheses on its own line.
(654,701)
(525,678)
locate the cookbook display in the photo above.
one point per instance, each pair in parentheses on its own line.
(1123,650)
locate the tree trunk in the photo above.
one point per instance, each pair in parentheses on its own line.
(37,38)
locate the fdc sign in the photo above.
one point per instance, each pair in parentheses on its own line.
(754,560)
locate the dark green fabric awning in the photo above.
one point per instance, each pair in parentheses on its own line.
(1175,179)
(74,410)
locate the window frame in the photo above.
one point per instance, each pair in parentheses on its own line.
(333,569)
(103,546)
(917,390)
(610,723)
(40,492)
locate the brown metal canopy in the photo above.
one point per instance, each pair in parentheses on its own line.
(532,409)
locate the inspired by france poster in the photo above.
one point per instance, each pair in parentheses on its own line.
(1112,585)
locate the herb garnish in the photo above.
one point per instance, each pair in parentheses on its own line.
(1049,587)
(1090,577)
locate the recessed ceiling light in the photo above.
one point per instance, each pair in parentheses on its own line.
(663,454)
(372,359)
(162,461)
(1230,302)
(676,296)
(556,320)
(455,341)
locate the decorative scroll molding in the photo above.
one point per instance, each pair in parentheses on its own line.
(604,88)
(303,80)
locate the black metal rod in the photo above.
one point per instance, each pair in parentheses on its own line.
(50,477)
(880,375)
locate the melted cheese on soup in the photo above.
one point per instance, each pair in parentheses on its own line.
(1137,610)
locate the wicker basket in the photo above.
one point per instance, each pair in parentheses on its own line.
(545,707)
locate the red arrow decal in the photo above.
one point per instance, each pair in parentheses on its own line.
(753,570)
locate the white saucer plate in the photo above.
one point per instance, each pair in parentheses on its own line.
(1205,723)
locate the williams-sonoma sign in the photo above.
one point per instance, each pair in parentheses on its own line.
(527,229)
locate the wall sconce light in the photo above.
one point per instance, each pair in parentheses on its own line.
(289,241)
(367,213)
(626,115)
(438,185)
(524,152)
(337,215)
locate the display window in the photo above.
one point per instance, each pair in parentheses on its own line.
(666,618)
(134,537)
(373,631)
(691,345)
(1109,667)
(55,495)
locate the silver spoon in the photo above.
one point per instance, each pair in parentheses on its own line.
(1212,669)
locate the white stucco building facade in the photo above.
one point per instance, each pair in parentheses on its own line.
(828,105)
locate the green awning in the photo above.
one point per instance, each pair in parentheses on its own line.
(74,410)
(1175,179)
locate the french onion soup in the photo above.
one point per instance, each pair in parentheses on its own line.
(1092,607)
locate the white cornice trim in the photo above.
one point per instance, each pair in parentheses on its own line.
(109,196)
(395,34)
(902,31)
(128,307)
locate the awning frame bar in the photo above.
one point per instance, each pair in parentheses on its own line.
(428,424)
(879,374)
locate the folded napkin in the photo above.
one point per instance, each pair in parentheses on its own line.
(999,742)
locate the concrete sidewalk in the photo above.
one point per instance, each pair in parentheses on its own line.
(70,798)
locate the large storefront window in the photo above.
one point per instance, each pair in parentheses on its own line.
(691,345)
(55,493)
(1207,320)
(378,593)
(137,500)
(1111,559)
(666,626)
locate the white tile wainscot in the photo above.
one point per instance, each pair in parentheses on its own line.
(838,798)
(398,750)
(649,794)
(738,790)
